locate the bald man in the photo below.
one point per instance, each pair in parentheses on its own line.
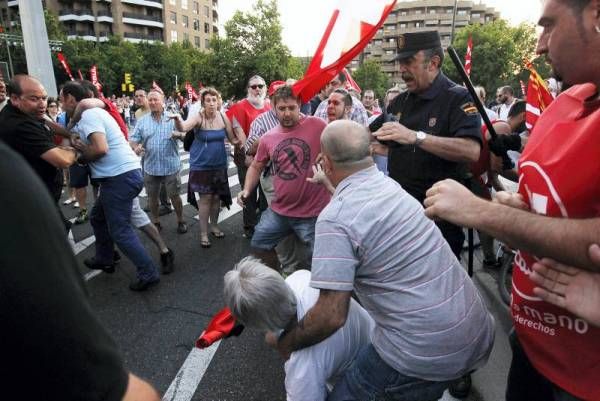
(24,130)
(373,238)
(3,99)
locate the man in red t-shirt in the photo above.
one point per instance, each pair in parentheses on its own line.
(292,147)
(241,115)
(556,351)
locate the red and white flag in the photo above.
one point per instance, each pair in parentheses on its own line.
(94,77)
(469,55)
(350,83)
(156,87)
(63,61)
(538,97)
(523,89)
(192,95)
(351,27)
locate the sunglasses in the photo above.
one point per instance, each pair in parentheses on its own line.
(259,86)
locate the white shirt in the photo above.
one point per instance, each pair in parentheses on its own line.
(311,371)
(504,109)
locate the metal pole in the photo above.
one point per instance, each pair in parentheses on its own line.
(453,22)
(37,48)
(10,65)
(175,83)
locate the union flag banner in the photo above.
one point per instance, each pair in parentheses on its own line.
(63,61)
(469,55)
(538,96)
(94,77)
(156,87)
(351,26)
(350,83)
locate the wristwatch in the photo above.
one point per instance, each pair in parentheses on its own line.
(420,138)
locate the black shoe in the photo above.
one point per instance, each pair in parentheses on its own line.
(167,260)
(164,210)
(491,263)
(140,285)
(248,232)
(182,228)
(460,388)
(91,263)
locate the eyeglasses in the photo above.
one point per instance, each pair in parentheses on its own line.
(259,86)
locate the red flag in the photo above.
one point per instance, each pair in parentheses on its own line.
(350,83)
(221,326)
(538,96)
(351,27)
(80,75)
(94,77)
(156,87)
(469,55)
(63,62)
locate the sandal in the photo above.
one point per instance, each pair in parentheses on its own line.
(217,234)
(205,243)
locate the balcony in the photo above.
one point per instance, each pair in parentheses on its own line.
(104,16)
(142,19)
(146,3)
(137,37)
(75,15)
(215,4)
(88,35)
(215,30)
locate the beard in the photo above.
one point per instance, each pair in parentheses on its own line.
(256,100)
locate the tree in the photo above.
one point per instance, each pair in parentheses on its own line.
(370,76)
(252,45)
(498,53)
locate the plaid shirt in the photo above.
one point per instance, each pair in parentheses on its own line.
(260,126)
(358,112)
(161,156)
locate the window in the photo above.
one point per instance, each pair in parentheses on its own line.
(184,21)
(449,10)
(206,43)
(206,11)
(391,40)
(173,17)
(389,52)
(196,8)
(403,25)
(462,12)
(391,27)
(404,12)
(475,15)
(196,24)
(206,27)
(173,36)
(418,11)
(186,37)
(418,24)
(184,4)
(173,2)
(197,41)
(432,11)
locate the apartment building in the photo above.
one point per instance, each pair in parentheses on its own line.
(414,16)
(165,21)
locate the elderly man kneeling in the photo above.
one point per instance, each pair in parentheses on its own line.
(260,298)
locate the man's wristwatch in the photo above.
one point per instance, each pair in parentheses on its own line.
(420,138)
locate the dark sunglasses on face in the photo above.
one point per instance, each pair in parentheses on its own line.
(259,86)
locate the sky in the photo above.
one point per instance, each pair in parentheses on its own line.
(304,21)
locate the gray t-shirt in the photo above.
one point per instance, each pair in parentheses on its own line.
(373,237)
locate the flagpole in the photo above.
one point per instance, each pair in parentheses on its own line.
(453,22)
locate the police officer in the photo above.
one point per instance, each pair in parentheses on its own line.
(433,129)
(432,132)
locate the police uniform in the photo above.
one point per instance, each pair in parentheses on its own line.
(445,109)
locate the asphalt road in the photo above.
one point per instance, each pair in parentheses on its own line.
(156,330)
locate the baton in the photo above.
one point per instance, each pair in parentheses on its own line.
(471,89)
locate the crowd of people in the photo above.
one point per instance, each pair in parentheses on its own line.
(355,215)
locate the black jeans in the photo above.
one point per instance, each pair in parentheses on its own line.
(525,383)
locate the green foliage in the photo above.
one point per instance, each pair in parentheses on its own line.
(370,76)
(498,53)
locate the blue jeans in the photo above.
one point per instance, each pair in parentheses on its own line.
(369,378)
(273,228)
(111,221)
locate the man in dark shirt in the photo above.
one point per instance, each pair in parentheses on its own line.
(433,129)
(54,348)
(24,130)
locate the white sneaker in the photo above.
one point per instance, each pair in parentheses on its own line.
(68,201)
(76,204)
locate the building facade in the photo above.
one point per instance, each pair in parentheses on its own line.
(415,16)
(165,21)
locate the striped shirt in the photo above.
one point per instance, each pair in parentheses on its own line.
(261,124)
(373,238)
(161,156)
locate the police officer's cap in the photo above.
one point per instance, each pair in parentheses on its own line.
(410,43)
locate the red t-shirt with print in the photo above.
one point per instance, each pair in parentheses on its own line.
(560,177)
(244,113)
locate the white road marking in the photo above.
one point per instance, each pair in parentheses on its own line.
(191,373)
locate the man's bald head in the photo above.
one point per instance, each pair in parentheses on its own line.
(346,144)
(28,95)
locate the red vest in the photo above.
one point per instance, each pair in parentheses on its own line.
(560,177)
